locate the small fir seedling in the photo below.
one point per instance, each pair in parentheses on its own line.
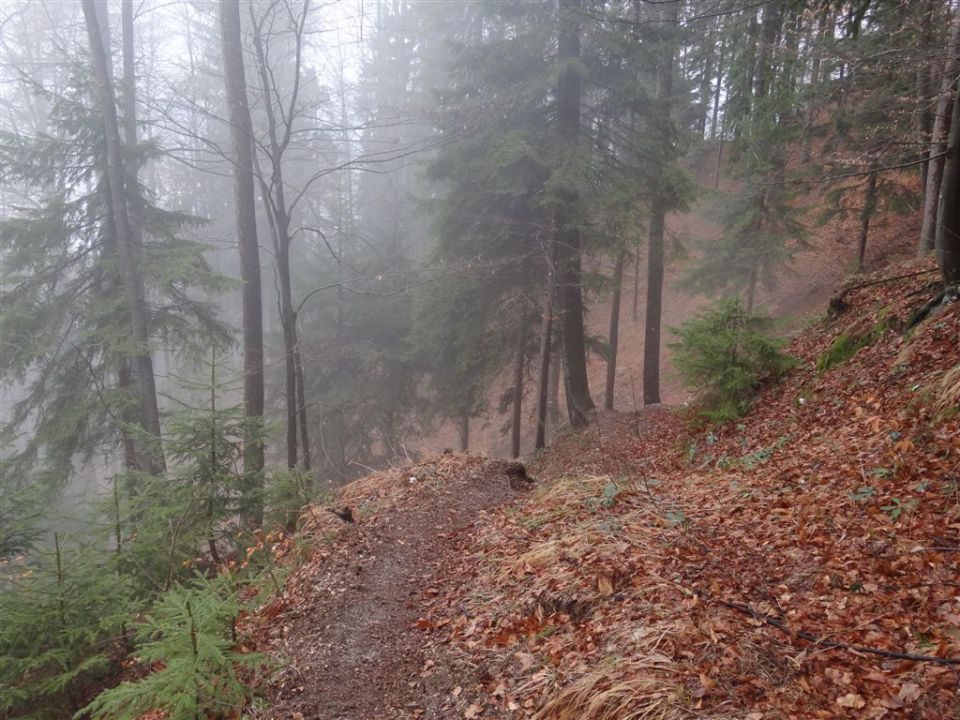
(190,637)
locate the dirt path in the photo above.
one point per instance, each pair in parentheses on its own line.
(351,646)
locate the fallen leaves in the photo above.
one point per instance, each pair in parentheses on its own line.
(577,596)
(851,700)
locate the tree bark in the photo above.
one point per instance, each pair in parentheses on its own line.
(770,29)
(517,393)
(651,341)
(925,88)
(570,291)
(869,205)
(301,399)
(714,128)
(141,359)
(614,336)
(556,372)
(651,331)
(948,228)
(938,141)
(241,133)
(546,338)
(465,431)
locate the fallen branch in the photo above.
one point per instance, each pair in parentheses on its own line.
(838,304)
(835,644)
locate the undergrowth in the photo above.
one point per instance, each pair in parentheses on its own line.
(727,353)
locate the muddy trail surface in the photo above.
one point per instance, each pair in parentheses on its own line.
(350,631)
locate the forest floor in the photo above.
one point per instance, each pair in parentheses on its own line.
(349,627)
(803,562)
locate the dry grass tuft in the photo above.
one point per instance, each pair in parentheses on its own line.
(638,689)
(947,392)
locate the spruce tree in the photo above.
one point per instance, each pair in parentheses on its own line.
(66,320)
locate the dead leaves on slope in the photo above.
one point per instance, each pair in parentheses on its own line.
(594,598)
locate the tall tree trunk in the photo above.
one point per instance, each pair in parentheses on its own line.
(556,372)
(517,393)
(241,133)
(869,205)
(464,431)
(740,104)
(636,283)
(579,402)
(651,331)
(825,22)
(714,128)
(948,228)
(141,359)
(705,78)
(770,29)
(925,88)
(651,341)
(938,141)
(614,336)
(301,399)
(132,453)
(546,350)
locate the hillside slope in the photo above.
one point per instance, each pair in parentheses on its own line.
(800,563)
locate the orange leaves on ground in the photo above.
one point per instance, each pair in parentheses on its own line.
(822,509)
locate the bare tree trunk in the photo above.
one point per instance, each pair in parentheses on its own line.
(579,402)
(938,141)
(132,453)
(556,372)
(274,197)
(465,431)
(925,88)
(714,129)
(770,29)
(241,132)
(126,250)
(636,283)
(651,335)
(546,338)
(518,392)
(703,111)
(824,23)
(869,205)
(948,229)
(301,398)
(614,336)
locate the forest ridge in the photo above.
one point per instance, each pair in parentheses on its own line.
(254,250)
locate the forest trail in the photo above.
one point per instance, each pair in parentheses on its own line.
(660,567)
(350,627)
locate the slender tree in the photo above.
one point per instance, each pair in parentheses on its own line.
(281,121)
(241,134)
(661,202)
(570,283)
(517,401)
(614,334)
(948,228)
(938,140)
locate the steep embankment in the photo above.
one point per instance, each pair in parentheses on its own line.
(800,563)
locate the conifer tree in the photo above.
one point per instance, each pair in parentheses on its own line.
(66,321)
(119,227)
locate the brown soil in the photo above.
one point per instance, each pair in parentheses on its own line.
(350,628)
